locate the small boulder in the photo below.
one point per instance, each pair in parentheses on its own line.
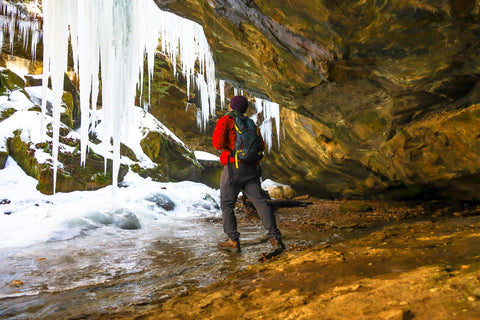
(100,218)
(162,201)
(126,220)
(277,190)
(354,206)
(396,314)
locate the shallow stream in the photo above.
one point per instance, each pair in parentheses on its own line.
(104,271)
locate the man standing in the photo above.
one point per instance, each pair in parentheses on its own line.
(240,176)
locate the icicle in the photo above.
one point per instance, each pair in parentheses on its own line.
(3,23)
(83,45)
(35,38)
(55,64)
(221,85)
(114,36)
(258,105)
(271,112)
(35,9)
(23,29)
(203,89)
(11,13)
(266,131)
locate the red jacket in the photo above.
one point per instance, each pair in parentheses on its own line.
(224,138)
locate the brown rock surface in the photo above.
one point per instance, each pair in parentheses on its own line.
(373,91)
(416,269)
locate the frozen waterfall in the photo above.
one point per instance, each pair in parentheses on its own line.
(110,40)
(113,36)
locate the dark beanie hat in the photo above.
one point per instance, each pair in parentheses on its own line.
(239,103)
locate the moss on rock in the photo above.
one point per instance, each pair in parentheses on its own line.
(67,116)
(156,173)
(3,159)
(176,162)
(10,81)
(5,113)
(72,176)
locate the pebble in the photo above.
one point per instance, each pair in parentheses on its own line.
(350,288)
(16,283)
(396,314)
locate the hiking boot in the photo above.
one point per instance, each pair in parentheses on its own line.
(230,245)
(277,244)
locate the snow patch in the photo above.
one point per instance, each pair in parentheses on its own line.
(202,155)
(31,217)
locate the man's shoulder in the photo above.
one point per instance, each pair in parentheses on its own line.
(226,118)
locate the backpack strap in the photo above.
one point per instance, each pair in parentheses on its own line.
(234,114)
(236,153)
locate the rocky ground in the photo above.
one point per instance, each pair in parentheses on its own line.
(403,260)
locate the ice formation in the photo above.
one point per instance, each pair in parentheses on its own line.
(269,110)
(112,38)
(221,87)
(271,113)
(13,19)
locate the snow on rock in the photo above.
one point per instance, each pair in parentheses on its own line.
(202,155)
(141,122)
(277,190)
(30,217)
(28,125)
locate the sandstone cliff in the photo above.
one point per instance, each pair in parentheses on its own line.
(380,97)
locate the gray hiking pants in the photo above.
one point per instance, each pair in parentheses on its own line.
(245,179)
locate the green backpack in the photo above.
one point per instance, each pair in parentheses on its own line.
(248,141)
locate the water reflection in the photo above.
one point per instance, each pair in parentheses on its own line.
(109,270)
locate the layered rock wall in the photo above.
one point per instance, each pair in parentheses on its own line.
(380,97)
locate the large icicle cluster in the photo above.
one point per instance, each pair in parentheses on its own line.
(110,40)
(27,26)
(114,36)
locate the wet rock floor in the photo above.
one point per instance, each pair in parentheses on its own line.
(403,260)
(394,260)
